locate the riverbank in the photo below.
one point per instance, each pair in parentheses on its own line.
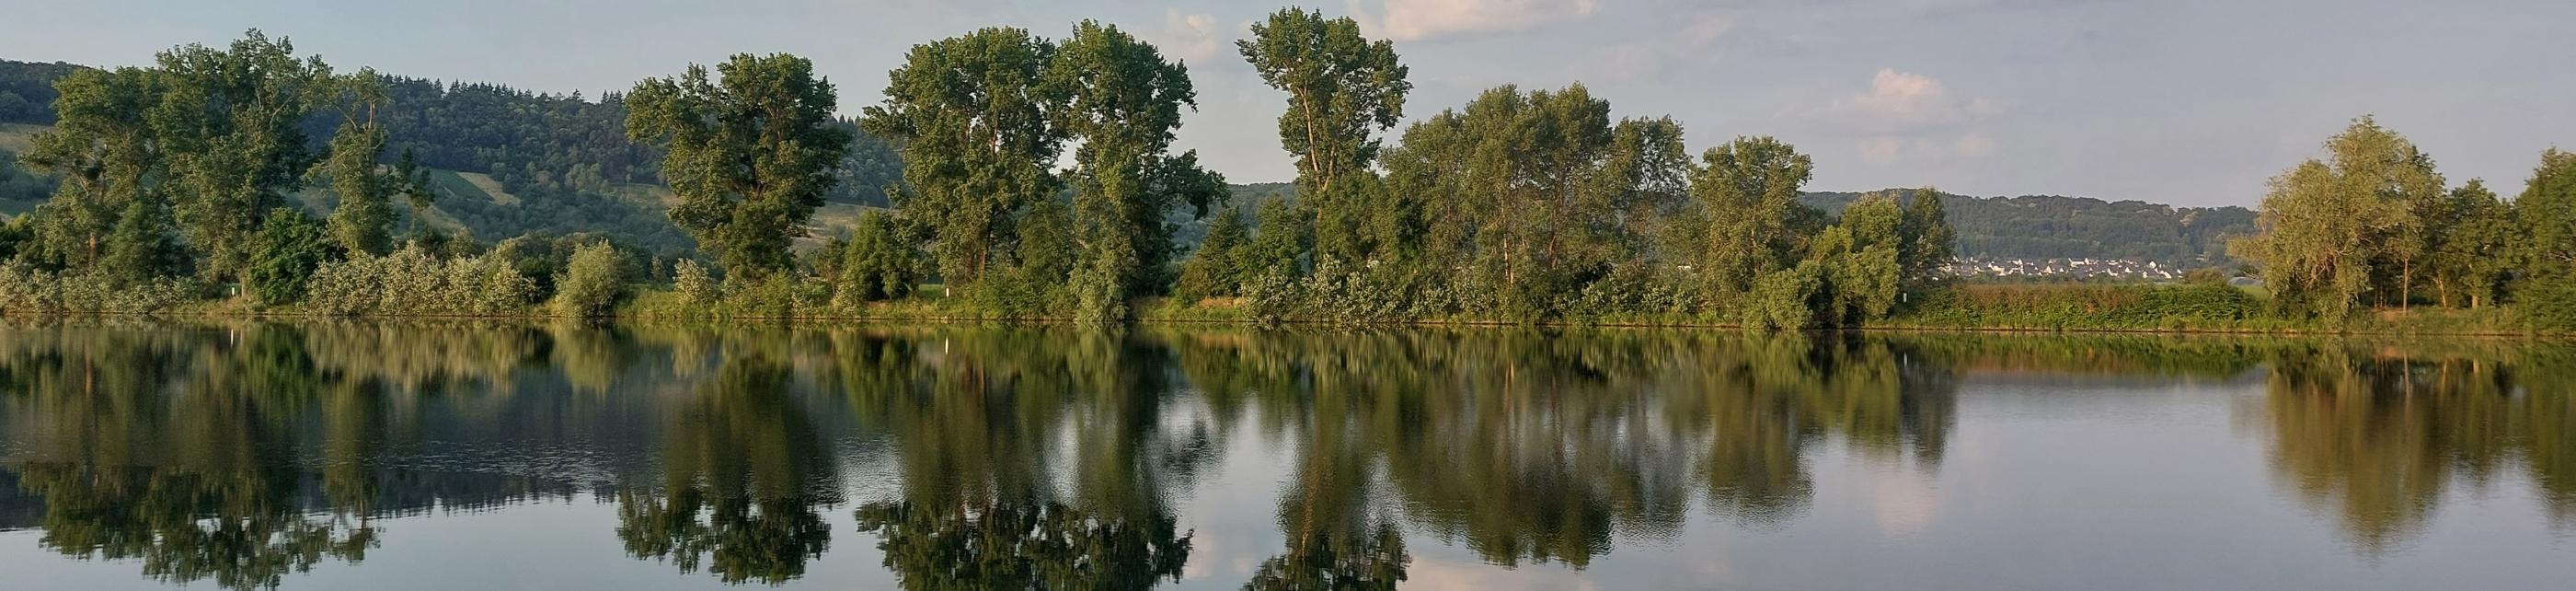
(2102,309)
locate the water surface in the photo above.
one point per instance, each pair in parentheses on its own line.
(246,455)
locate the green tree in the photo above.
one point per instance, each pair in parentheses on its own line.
(1342,89)
(971,113)
(1123,101)
(2545,216)
(1211,270)
(105,150)
(363,220)
(230,129)
(2470,246)
(878,264)
(289,249)
(142,247)
(1748,189)
(751,154)
(1927,244)
(2331,230)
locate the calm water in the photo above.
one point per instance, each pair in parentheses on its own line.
(436,456)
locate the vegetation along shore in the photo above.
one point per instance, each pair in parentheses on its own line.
(1011,176)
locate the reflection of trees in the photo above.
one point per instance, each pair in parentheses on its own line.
(975,420)
(161,447)
(2376,436)
(743,472)
(1539,447)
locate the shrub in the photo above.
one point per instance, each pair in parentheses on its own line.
(413,282)
(284,256)
(591,282)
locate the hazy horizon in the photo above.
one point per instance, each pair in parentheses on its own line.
(2190,103)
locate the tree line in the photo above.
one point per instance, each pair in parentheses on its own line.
(1522,206)
(2374,225)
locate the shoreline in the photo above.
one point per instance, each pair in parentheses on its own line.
(1150,320)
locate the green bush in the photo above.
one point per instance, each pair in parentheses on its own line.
(25,290)
(412,282)
(285,254)
(591,282)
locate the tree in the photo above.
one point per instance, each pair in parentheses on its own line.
(290,248)
(363,220)
(1342,89)
(971,113)
(142,247)
(1211,270)
(878,264)
(1927,244)
(230,129)
(751,153)
(1123,101)
(2468,249)
(2330,230)
(1748,189)
(2546,216)
(104,148)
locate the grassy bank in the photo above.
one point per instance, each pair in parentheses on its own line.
(2134,308)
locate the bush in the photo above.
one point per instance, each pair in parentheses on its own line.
(284,256)
(2548,304)
(25,290)
(692,281)
(412,282)
(591,282)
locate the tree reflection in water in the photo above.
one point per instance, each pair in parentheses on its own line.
(1034,458)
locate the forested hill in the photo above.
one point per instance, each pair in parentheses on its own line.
(2051,226)
(511,161)
(506,161)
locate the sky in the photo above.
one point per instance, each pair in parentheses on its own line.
(2186,102)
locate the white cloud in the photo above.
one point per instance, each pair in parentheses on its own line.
(1192,37)
(1416,20)
(1881,149)
(1909,99)
(1973,145)
(1904,115)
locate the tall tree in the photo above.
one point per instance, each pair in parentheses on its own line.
(971,115)
(2332,231)
(1123,101)
(1927,242)
(2546,215)
(231,129)
(2468,250)
(363,220)
(1748,189)
(1342,89)
(750,154)
(104,148)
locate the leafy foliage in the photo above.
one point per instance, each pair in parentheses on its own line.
(751,154)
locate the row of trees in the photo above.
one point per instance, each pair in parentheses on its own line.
(1522,205)
(2373,224)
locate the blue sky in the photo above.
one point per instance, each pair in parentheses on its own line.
(2190,102)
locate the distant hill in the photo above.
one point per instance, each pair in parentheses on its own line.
(2051,226)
